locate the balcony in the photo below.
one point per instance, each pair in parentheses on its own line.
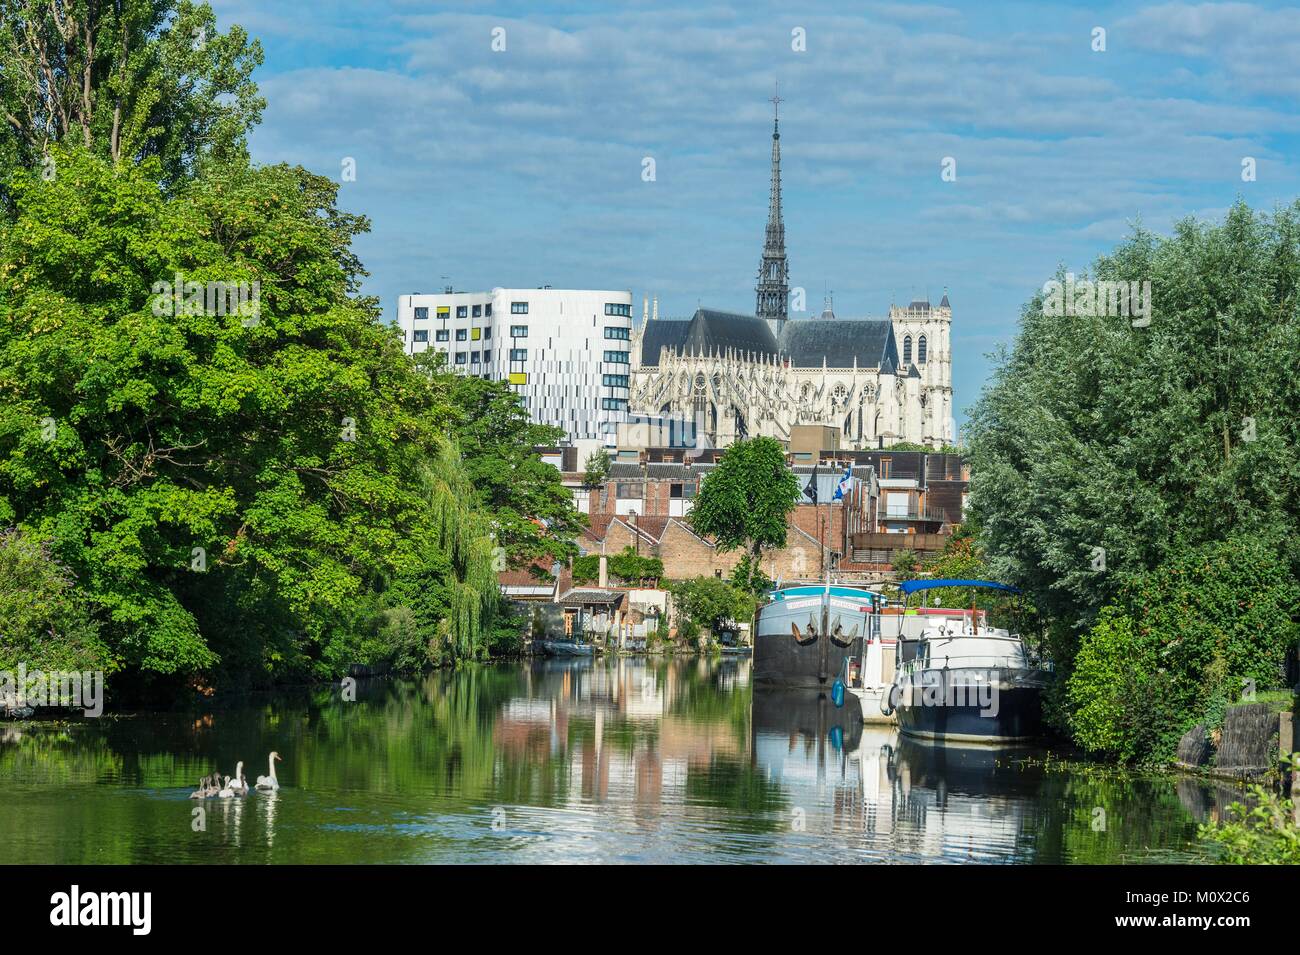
(915,514)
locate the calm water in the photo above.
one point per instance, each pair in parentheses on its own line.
(621,760)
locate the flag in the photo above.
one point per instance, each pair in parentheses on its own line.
(845,484)
(810,491)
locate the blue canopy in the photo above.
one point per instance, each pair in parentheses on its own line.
(912,586)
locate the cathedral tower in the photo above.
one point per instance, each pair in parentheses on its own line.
(773,300)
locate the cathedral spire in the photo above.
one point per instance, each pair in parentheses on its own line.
(773,288)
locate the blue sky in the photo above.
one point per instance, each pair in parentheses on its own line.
(523,167)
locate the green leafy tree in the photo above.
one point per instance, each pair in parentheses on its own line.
(1103,444)
(130,80)
(533,512)
(745,501)
(905,564)
(223,490)
(45,624)
(597,468)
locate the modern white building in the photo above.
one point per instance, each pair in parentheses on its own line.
(566,352)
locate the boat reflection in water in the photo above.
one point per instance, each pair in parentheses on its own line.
(866,793)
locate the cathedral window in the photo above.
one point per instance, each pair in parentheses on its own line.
(907,348)
(920,350)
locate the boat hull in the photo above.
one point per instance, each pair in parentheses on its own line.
(829,625)
(943,707)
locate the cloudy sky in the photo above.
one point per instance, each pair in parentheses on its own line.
(523,166)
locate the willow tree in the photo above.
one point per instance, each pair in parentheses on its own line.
(1104,445)
(1113,453)
(461,532)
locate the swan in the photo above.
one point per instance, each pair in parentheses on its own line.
(208,786)
(239,784)
(226,792)
(269,782)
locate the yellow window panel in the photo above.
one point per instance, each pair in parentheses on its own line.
(519,378)
(475,334)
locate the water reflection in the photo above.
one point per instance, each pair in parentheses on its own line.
(607,760)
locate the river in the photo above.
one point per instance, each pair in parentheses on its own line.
(622,760)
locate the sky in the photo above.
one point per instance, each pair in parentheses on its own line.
(523,166)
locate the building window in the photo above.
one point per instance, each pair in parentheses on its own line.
(474,358)
(487,334)
(625,334)
(920,350)
(461,334)
(614,404)
(518,331)
(907,348)
(615,381)
(421,312)
(617,357)
(441,334)
(421,334)
(628,491)
(475,334)
(519,354)
(487,356)
(518,308)
(884,467)
(478,311)
(444,312)
(487,310)
(460,358)
(674,490)
(462,311)
(614,308)
(688,491)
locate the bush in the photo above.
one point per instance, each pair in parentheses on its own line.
(710,603)
(1100,689)
(627,567)
(1179,647)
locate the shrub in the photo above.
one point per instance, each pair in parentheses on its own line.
(1266,833)
(1179,647)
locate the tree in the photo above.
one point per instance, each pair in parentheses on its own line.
(533,512)
(130,80)
(597,468)
(1101,450)
(46,627)
(745,501)
(225,491)
(905,564)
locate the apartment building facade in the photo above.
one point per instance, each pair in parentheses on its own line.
(565,352)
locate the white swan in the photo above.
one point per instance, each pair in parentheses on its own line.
(238,784)
(269,782)
(226,792)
